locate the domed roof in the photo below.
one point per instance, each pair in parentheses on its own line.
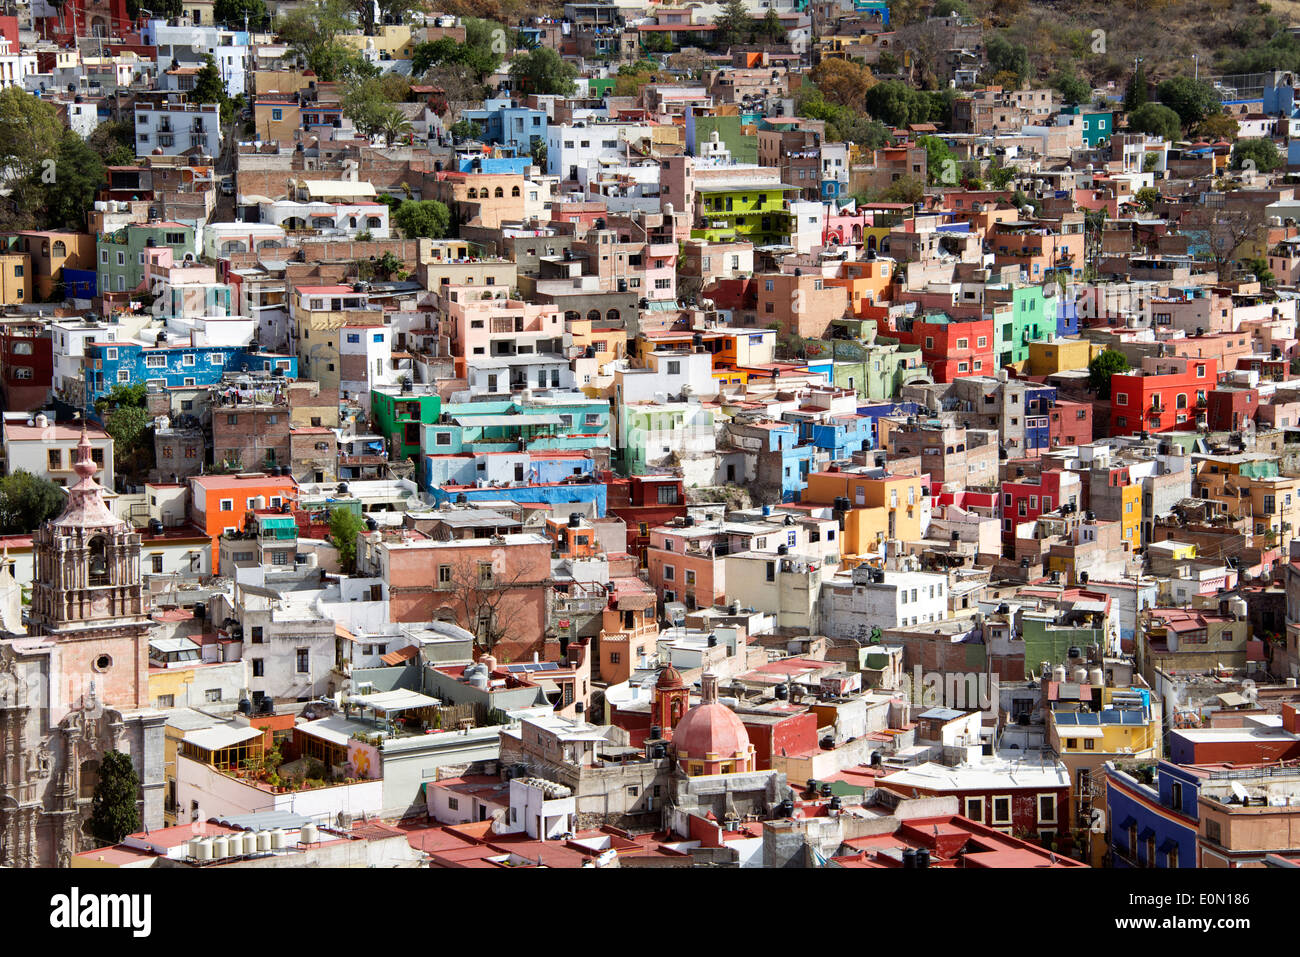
(710,728)
(670,679)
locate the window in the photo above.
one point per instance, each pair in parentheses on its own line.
(453,804)
(975,809)
(259,668)
(1090,744)
(227,505)
(1047,809)
(56,460)
(615,658)
(1002,810)
(1176,795)
(256,634)
(212,695)
(157,564)
(166,701)
(304,661)
(670,573)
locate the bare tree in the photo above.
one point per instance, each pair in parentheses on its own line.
(927,40)
(491,599)
(1226,229)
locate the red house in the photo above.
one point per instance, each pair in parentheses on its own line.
(26,367)
(951,348)
(1070,423)
(1229,409)
(1026,499)
(643,502)
(1167,393)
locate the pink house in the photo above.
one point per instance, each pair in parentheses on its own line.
(495,327)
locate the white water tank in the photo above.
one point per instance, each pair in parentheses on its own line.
(277,839)
(263,841)
(250,843)
(220,848)
(1081,675)
(1097,678)
(201,849)
(1058,673)
(308,834)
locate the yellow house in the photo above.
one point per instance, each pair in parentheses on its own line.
(1130,520)
(1060,355)
(390,42)
(880,508)
(15,279)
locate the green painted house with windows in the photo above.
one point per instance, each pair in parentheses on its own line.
(1097,125)
(1030,318)
(120,255)
(875,368)
(755,214)
(398,415)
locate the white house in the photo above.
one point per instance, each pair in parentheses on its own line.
(852,605)
(580,145)
(177,128)
(48,450)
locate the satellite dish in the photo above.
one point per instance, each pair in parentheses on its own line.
(1242,794)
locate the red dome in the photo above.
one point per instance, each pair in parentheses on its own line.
(710,729)
(670,679)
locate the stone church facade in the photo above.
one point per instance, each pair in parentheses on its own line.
(76,684)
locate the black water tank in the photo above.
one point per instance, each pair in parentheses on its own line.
(1074,652)
(826,789)
(200,611)
(245,706)
(922,857)
(836,803)
(782,692)
(909,858)
(575,519)
(713,640)
(656,732)
(783,549)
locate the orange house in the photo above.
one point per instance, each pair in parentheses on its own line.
(218,503)
(866,283)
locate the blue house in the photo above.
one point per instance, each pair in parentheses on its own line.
(505,122)
(497,469)
(130,363)
(840,437)
(566,494)
(1067,317)
(886,410)
(1153,825)
(1038,405)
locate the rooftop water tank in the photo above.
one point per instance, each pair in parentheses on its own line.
(309,834)
(220,848)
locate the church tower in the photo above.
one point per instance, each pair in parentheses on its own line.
(88,597)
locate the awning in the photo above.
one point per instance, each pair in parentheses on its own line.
(391,701)
(1147,834)
(400,656)
(1127,823)
(227,736)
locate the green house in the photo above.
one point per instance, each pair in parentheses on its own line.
(119,255)
(398,416)
(755,214)
(1097,125)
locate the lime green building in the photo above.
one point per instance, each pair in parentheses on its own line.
(755,214)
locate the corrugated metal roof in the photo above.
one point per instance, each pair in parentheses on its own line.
(264,820)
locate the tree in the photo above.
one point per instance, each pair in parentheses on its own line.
(1264,156)
(895,103)
(1147,197)
(940,162)
(27,501)
(311,31)
(30,133)
(463,130)
(1073,88)
(905,189)
(733,25)
(127,420)
(113,810)
(1220,126)
(1156,120)
(425,218)
(1006,57)
(1192,100)
(1226,229)
(487,597)
(78,176)
(1259,267)
(1136,94)
(395,126)
(235,13)
(345,525)
(842,82)
(1104,365)
(114,141)
(537,150)
(542,71)
(209,88)
(770,28)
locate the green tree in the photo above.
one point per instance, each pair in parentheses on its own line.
(733,25)
(1147,197)
(1156,120)
(1259,267)
(1262,153)
(770,28)
(1192,100)
(905,189)
(345,525)
(30,133)
(542,71)
(463,130)
(27,501)
(1136,93)
(113,810)
(114,141)
(426,218)
(895,103)
(537,150)
(235,13)
(208,87)
(1005,56)
(940,163)
(78,176)
(311,31)
(1073,88)
(127,420)
(1104,365)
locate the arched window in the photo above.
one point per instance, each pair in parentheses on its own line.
(500,193)
(514,191)
(594,315)
(97,569)
(612,315)
(60,249)
(471,193)
(352,222)
(572,316)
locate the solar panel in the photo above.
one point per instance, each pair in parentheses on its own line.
(1090,719)
(1067,718)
